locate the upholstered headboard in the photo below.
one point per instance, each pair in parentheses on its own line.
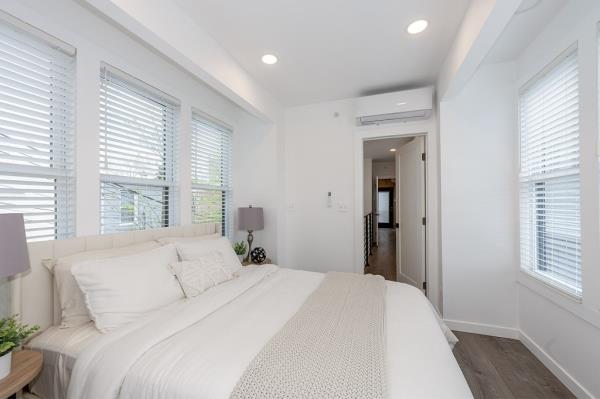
(33,293)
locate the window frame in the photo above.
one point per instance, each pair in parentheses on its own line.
(225,188)
(572,292)
(47,177)
(165,183)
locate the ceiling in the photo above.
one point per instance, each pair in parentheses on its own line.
(379,150)
(525,25)
(332,49)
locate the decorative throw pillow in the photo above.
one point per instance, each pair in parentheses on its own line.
(120,290)
(196,276)
(195,250)
(72,303)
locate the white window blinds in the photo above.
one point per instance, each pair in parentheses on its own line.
(137,155)
(36,134)
(549,177)
(211,172)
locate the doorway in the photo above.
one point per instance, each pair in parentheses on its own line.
(394,209)
(386,201)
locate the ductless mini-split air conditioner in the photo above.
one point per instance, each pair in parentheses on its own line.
(400,106)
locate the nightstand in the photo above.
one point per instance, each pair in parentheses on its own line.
(26,365)
(266,262)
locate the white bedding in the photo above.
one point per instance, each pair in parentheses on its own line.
(200,347)
(60,347)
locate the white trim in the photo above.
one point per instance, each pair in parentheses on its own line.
(483,329)
(574,386)
(559,298)
(40,34)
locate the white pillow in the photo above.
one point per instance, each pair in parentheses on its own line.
(120,290)
(196,276)
(175,240)
(72,304)
(195,250)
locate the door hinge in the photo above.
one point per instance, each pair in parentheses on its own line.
(423,157)
(425,285)
(424,220)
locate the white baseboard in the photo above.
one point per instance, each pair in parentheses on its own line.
(576,388)
(484,329)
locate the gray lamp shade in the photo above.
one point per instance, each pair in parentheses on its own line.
(14,257)
(250,219)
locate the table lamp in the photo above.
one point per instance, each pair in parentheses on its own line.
(250,219)
(14,256)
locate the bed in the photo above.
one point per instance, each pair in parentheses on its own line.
(201,347)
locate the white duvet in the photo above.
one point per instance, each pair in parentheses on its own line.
(199,348)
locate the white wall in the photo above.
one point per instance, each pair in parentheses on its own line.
(256,175)
(323,152)
(479,200)
(319,158)
(96,40)
(566,333)
(368,186)
(384,169)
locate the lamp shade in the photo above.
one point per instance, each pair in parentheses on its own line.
(250,218)
(14,256)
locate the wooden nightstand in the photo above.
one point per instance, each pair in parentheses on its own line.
(26,365)
(266,262)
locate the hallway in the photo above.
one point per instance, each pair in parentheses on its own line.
(383,260)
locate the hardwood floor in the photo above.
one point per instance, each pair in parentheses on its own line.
(505,368)
(383,260)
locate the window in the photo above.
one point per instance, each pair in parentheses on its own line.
(549,177)
(137,155)
(211,172)
(36,133)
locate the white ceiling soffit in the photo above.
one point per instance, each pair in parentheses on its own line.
(484,22)
(525,25)
(332,49)
(170,31)
(379,150)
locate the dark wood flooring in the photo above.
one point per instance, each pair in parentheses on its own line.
(383,260)
(505,368)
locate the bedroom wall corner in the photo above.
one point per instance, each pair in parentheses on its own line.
(256,170)
(479,196)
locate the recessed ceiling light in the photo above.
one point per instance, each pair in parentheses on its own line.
(392,150)
(417,26)
(401,103)
(269,59)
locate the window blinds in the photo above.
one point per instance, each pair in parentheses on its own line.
(36,134)
(137,155)
(549,177)
(211,172)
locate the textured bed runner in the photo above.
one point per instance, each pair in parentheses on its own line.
(333,347)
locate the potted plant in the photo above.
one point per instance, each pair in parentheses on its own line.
(12,334)
(240,249)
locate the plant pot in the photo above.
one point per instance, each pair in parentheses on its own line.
(5,362)
(241,258)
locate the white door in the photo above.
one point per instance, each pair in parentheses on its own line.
(375,210)
(384,207)
(412,212)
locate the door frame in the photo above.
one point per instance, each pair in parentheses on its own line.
(428,128)
(391,191)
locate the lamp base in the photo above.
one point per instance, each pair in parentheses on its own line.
(250,239)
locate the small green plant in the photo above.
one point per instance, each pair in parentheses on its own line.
(12,333)
(239,248)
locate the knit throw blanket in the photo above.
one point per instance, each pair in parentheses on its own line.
(333,347)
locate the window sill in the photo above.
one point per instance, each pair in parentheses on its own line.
(569,303)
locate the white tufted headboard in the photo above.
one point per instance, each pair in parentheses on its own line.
(33,295)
